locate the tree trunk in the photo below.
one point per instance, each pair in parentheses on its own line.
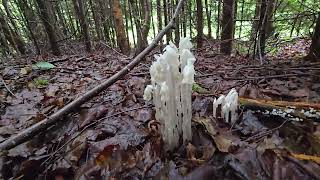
(31,23)
(79,8)
(132,24)
(61,17)
(3,42)
(177,28)
(13,38)
(218,19)
(265,24)
(159,18)
(227,25)
(199,23)
(120,31)
(47,23)
(208,14)
(314,53)
(143,26)
(96,18)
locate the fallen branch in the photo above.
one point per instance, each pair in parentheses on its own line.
(5,85)
(33,130)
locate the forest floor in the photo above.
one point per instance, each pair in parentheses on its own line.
(116,135)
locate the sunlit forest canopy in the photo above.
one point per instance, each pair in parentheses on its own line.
(36,26)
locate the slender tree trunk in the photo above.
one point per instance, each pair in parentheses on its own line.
(190,17)
(46,20)
(126,17)
(256,20)
(241,15)
(208,14)
(31,24)
(152,20)
(71,24)
(144,26)
(184,19)
(227,25)
(14,30)
(159,18)
(265,25)
(61,17)
(80,11)
(14,39)
(219,19)
(96,19)
(120,30)
(3,42)
(177,28)
(199,23)
(9,15)
(165,14)
(314,53)
(132,24)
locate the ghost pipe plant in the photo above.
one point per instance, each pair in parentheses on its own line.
(229,106)
(172,76)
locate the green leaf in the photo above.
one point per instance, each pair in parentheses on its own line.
(43,66)
(41,83)
(198,89)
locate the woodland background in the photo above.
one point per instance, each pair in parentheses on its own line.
(255,26)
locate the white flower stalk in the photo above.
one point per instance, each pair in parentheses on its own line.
(148,93)
(229,106)
(171,89)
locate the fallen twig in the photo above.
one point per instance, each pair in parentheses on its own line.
(5,85)
(33,130)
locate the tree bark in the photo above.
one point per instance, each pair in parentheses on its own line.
(3,42)
(177,28)
(47,23)
(96,18)
(199,23)
(227,25)
(314,53)
(13,38)
(119,25)
(142,27)
(218,19)
(265,26)
(31,23)
(79,8)
(208,16)
(159,18)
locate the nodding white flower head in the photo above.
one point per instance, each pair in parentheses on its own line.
(186,56)
(185,43)
(148,93)
(164,92)
(188,74)
(221,99)
(172,56)
(157,71)
(232,98)
(173,46)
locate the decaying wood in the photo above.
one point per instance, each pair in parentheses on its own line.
(33,130)
(274,104)
(280,105)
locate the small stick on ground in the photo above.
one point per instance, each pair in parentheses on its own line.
(33,130)
(5,85)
